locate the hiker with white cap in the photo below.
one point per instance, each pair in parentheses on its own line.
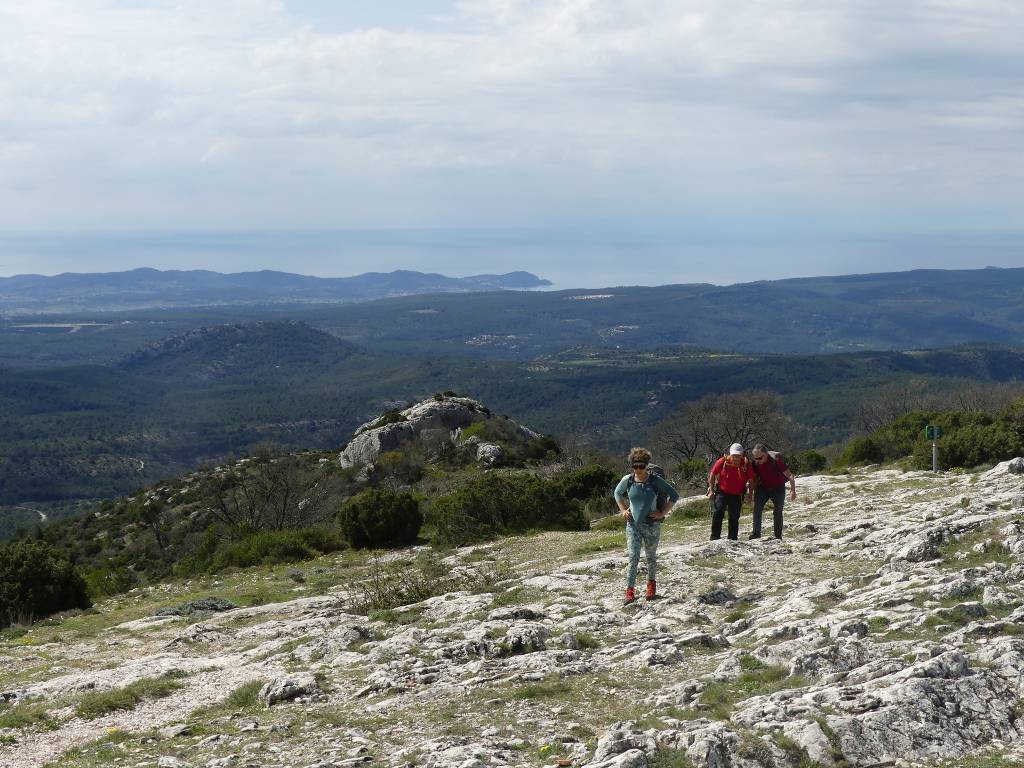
(728,483)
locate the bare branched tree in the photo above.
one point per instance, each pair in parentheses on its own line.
(889,403)
(705,428)
(268,494)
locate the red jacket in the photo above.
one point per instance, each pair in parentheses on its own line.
(732,478)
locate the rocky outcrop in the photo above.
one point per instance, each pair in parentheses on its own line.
(288,688)
(435,422)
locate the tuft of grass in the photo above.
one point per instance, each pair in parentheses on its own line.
(739,612)
(958,554)
(697,509)
(100,703)
(756,750)
(956,616)
(679,713)
(670,758)
(26,716)
(394,585)
(602,544)
(395,616)
(587,642)
(756,679)
(516,596)
(795,754)
(547,689)
(835,747)
(244,697)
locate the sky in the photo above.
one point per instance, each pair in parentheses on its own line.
(594,142)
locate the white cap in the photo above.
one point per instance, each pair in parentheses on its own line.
(736,449)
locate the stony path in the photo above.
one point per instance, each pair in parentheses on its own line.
(885,627)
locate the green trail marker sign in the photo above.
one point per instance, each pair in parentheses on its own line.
(933,433)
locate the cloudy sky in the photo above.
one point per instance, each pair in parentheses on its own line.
(592,141)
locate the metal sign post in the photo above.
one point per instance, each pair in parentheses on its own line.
(933,433)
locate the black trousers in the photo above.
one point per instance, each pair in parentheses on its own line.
(721,503)
(777,496)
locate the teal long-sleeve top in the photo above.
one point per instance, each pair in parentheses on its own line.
(643,497)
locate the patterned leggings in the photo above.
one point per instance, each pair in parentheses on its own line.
(646,535)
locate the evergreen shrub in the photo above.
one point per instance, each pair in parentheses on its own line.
(861,450)
(969,439)
(588,482)
(808,462)
(693,473)
(35,583)
(264,548)
(499,504)
(380,518)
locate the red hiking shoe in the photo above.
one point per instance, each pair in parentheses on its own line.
(652,590)
(630,595)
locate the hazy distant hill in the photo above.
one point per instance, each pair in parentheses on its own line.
(141,288)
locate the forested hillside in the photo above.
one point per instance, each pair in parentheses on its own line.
(95,432)
(907,310)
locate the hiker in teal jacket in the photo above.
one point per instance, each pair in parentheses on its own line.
(637,497)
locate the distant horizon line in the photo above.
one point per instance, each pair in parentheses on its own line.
(539,278)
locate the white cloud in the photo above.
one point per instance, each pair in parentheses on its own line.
(510,112)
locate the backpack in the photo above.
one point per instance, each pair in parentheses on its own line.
(774,457)
(652,470)
(745,464)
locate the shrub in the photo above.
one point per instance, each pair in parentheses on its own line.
(389,586)
(110,579)
(35,582)
(265,548)
(407,466)
(597,508)
(496,504)
(861,450)
(388,417)
(479,429)
(693,473)
(380,518)
(808,462)
(588,482)
(970,446)
(540,448)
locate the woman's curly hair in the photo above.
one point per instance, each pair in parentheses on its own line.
(639,455)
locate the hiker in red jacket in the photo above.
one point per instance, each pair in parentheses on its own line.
(770,476)
(727,485)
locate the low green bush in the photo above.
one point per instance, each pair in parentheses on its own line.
(861,450)
(388,417)
(808,462)
(588,482)
(264,548)
(969,439)
(692,473)
(970,446)
(498,504)
(108,580)
(35,583)
(380,518)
